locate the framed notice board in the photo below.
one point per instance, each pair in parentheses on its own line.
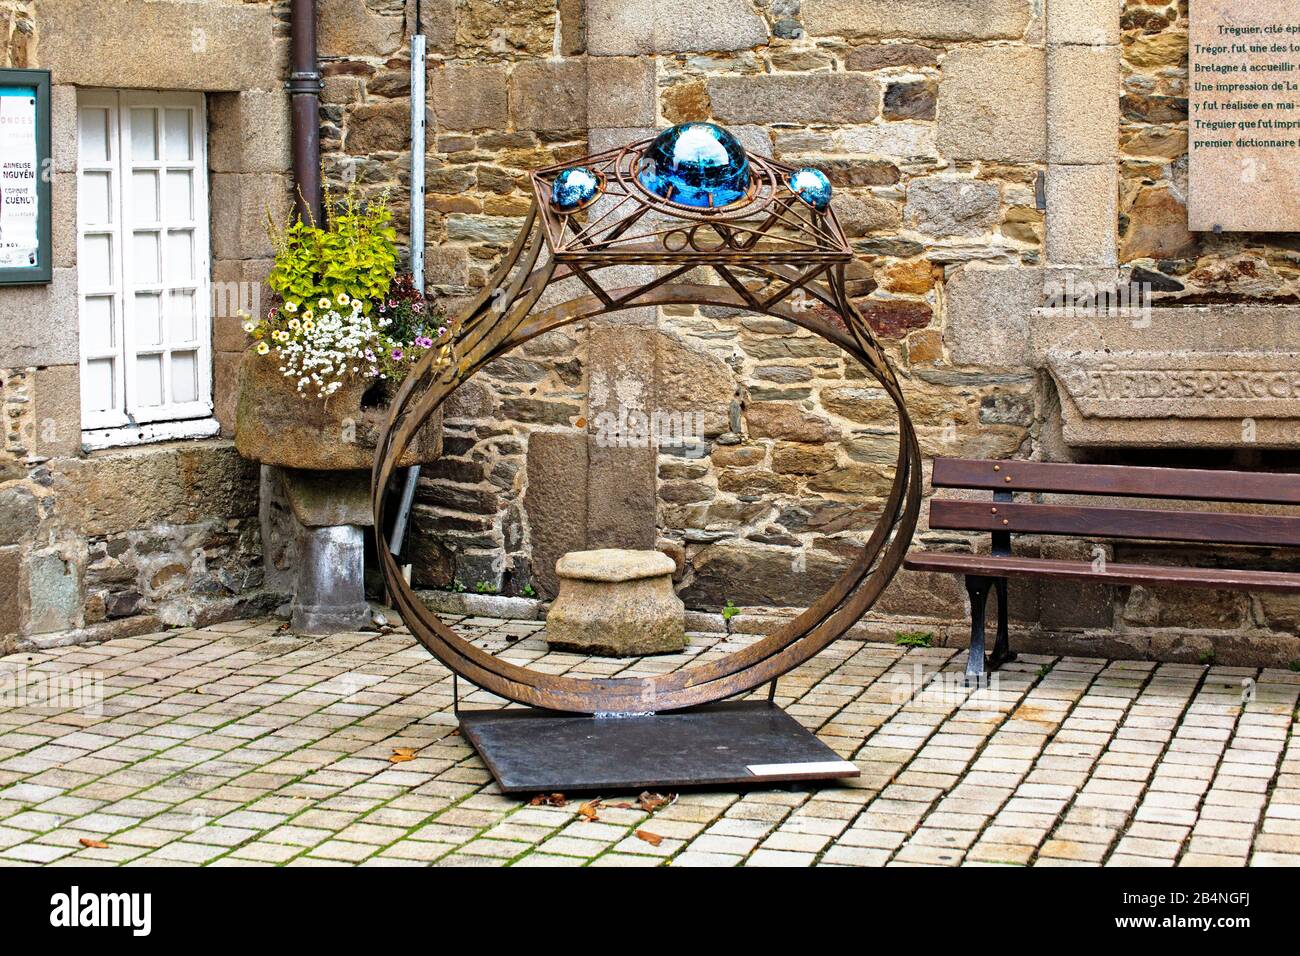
(25,174)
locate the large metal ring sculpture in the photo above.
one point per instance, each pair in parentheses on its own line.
(783,237)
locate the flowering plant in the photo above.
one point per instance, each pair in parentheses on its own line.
(338,313)
(322,345)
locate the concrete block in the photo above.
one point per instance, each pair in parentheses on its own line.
(38,323)
(795,98)
(964,20)
(249,132)
(988,314)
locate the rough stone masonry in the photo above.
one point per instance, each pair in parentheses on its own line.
(981,153)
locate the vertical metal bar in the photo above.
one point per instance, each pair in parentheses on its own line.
(417,157)
(404,510)
(1002,539)
(417,249)
(977,587)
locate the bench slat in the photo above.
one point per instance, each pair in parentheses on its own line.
(1198,526)
(1016,566)
(1118,480)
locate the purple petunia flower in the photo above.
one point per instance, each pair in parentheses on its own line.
(397,355)
(424,342)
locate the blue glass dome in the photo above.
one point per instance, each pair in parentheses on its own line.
(574,187)
(696,164)
(812,186)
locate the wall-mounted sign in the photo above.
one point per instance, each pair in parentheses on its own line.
(24,176)
(1244,116)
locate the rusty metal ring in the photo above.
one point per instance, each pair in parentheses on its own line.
(676,240)
(497,323)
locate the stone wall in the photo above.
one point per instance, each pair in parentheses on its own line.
(981,154)
(125,541)
(527,476)
(800,447)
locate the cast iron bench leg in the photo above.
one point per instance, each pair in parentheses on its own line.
(977,587)
(1002,652)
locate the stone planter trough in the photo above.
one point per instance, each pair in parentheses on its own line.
(323,451)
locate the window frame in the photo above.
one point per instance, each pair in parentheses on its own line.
(128,421)
(43,272)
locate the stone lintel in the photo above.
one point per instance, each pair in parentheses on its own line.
(1220,376)
(919,19)
(162,45)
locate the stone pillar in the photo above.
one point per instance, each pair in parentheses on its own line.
(1083,85)
(621,483)
(992,107)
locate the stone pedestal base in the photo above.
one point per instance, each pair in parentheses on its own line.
(616,603)
(331,592)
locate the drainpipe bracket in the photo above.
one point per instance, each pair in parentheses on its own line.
(305,81)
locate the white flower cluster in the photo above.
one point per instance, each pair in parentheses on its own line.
(325,346)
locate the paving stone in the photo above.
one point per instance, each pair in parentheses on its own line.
(772,857)
(1130,759)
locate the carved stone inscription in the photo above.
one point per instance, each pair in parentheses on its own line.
(1179,398)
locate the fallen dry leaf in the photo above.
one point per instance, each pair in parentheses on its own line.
(653,839)
(404,751)
(620,806)
(401,758)
(650,802)
(548,799)
(588,810)
(93,844)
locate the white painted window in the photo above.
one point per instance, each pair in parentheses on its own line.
(143,266)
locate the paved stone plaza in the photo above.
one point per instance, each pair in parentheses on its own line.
(241,745)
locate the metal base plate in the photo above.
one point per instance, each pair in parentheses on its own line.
(732,744)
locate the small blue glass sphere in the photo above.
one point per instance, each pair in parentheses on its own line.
(812,186)
(574,188)
(696,164)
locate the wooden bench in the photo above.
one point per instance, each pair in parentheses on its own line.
(1004,516)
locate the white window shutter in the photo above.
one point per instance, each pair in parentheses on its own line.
(99,258)
(165,213)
